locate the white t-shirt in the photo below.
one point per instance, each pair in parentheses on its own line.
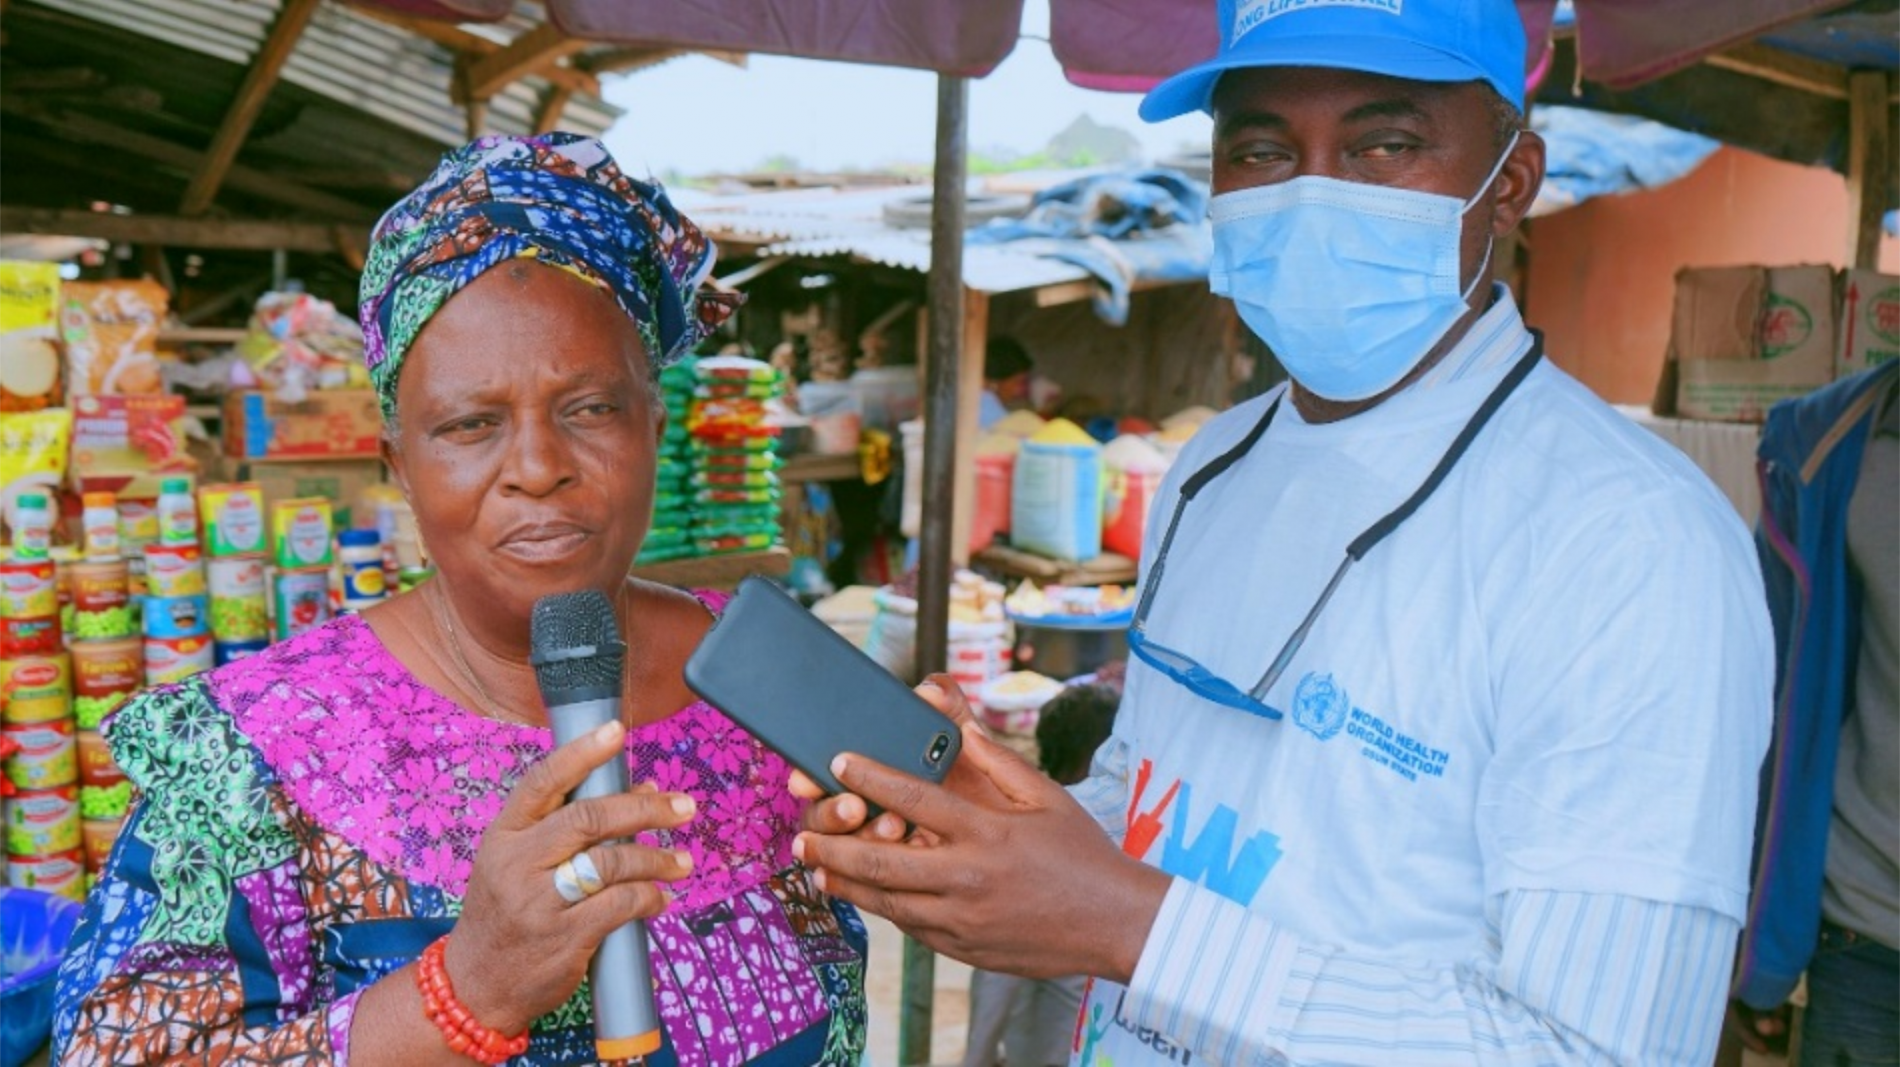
(1553,676)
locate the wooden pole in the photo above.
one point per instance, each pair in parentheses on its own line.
(553,105)
(258,81)
(1870,164)
(976,331)
(942,369)
(532,52)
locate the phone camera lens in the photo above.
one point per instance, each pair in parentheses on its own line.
(938,748)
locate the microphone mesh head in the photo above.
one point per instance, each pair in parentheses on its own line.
(570,623)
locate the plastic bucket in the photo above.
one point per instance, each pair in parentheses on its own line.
(34,929)
(993,478)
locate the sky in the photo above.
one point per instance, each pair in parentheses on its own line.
(847,115)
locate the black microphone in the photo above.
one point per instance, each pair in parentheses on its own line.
(579,661)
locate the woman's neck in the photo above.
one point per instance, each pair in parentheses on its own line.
(488,657)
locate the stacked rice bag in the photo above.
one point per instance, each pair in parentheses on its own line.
(670,535)
(733,478)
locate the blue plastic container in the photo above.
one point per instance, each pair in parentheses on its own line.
(34,929)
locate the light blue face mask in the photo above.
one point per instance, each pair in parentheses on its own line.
(1349,284)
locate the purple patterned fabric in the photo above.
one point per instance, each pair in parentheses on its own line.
(410,777)
(307,819)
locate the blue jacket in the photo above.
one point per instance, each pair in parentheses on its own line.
(1809,462)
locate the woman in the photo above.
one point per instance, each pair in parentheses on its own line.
(347,848)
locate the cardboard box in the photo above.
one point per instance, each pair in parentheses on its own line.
(127,444)
(1744,338)
(339,481)
(327,424)
(1869,321)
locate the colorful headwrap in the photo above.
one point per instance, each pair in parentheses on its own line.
(558,198)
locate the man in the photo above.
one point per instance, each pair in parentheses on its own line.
(1452,684)
(1006,369)
(1827,884)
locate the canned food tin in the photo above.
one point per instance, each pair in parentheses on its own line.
(107,668)
(302,530)
(97,768)
(232,651)
(237,576)
(174,659)
(138,523)
(233,518)
(240,601)
(48,755)
(30,637)
(108,802)
(43,821)
(177,616)
(99,835)
(62,874)
(173,570)
(28,589)
(102,605)
(302,601)
(37,688)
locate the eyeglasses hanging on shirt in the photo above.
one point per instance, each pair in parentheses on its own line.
(1206,683)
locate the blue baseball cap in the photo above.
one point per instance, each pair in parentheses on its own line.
(1420,40)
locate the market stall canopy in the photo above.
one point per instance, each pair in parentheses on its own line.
(188,124)
(1129,45)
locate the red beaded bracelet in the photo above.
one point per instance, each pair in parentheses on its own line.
(460,1030)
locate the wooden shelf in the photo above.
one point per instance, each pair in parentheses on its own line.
(1109,568)
(817,467)
(716,572)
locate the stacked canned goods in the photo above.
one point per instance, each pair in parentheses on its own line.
(29,588)
(303,540)
(42,816)
(235,539)
(106,667)
(177,611)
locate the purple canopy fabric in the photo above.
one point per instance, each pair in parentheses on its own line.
(1121,45)
(965,37)
(1130,45)
(1623,43)
(447,10)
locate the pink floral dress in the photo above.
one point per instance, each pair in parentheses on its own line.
(306,824)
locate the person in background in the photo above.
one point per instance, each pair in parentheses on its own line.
(1827,873)
(1449,684)
(1027,1022)
(355,847)
(1006,371)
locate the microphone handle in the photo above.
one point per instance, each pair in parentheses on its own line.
(626,1020)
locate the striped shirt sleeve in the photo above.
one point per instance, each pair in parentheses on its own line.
(1566,978)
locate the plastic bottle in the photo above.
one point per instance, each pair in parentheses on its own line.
(177,513)
(360,557)
(32,527)
(101,523)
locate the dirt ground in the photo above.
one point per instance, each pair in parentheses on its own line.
(884,981)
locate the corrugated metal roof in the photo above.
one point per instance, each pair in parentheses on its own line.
(830,222)
(350,58)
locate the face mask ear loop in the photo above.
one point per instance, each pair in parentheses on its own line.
(1490,245)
